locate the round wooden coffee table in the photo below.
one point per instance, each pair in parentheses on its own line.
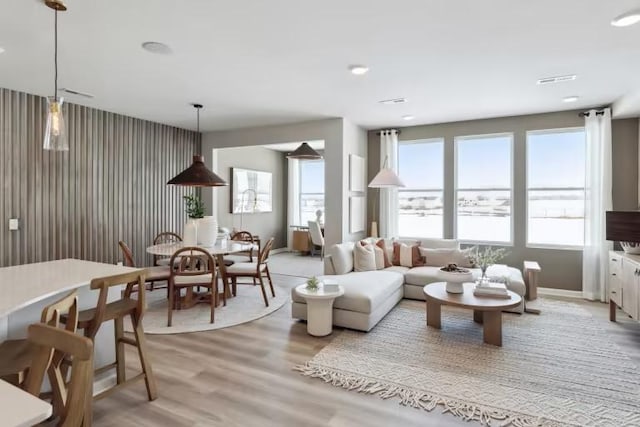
(487,311)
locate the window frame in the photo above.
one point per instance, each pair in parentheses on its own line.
(441,140)
(300,192)
(565,247)
(456,190)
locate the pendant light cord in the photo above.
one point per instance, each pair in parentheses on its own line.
(198,119)
(55,56)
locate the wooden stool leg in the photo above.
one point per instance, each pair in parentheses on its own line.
(120,364)
(149,379)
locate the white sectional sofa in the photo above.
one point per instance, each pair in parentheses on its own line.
(370,295)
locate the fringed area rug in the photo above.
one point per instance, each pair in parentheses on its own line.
(556,369)
(248,305)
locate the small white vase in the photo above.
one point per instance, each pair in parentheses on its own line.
(455,280)
(190,235)
(207,231)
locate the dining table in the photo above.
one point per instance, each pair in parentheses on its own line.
(21,409)
(218,251)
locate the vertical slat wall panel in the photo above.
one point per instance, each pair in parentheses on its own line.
(110,186)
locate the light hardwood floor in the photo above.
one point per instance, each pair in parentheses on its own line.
(241,376)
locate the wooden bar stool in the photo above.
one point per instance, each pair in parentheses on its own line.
(91,320)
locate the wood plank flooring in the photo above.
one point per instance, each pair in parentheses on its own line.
(241,376)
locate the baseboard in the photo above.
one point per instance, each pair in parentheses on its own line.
(105,382)
(279,251)
(553,292)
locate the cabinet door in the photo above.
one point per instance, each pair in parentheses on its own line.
(615,281)
(630,272)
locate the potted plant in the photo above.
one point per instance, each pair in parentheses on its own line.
(194,207)
(313,284)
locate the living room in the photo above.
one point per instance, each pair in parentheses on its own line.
(361,213)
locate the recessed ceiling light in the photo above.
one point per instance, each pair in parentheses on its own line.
(626,19)
(359,70)
(393,101)
(156,47)
(1,50)
(557,79)
(407,117)
(569,99)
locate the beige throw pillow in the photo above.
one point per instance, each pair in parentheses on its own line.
(364,258)
(442,257)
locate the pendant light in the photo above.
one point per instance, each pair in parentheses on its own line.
(55,134)
(304,152)
(198,175)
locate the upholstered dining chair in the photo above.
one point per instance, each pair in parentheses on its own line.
(164,237)
(245,256)
(154,274)
(196,268)
(317,239)
(16,355)
(51,344)
(256,270)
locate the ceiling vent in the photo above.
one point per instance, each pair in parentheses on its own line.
(557,79)
(76,92)
(394,101)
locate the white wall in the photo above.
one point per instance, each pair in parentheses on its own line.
(329,130)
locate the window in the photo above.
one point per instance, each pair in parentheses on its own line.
(311,189)
(421,169)
(555,187)
(483,188)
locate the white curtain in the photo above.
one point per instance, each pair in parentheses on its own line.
(389,196)
(293,205)
(598,200)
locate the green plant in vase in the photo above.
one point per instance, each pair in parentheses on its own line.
(484,258)
(194,206)
(313,283)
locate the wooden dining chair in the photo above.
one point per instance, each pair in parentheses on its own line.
(154,274)
(91,320)
(16,355)
(51,344)
(244,256)
(256,270)
(196,268)
(164,237)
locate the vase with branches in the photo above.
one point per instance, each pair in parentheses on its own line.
(485,257)
(194,206)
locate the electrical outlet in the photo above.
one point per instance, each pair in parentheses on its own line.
(13,224)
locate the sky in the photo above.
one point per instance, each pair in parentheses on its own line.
(312,176)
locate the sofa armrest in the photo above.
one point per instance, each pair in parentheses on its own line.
(328,265)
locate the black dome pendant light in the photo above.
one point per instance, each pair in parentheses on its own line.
(198,175)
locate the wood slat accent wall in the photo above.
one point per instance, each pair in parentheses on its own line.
(109,186)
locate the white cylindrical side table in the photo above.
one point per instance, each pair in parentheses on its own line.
(319,309)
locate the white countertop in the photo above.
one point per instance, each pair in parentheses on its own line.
(21,409)
(22,285)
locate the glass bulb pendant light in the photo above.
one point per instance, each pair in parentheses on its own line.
(55,133)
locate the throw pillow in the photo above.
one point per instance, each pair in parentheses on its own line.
(385,254)
(442,257)
(407,256)
(364,257)
(464,258)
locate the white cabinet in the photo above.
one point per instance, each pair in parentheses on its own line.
(624,284)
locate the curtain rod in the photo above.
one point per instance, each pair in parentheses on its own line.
(586,113)
(386,130)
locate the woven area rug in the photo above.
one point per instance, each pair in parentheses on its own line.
(556,369)
(248,305)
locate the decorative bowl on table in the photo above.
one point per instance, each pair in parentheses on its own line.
(454,276)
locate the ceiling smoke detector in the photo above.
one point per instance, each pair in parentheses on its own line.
(393,101)
(570,99)
(156,47)
(359,70)
(557,79)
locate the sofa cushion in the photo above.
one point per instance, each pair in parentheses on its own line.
(420,276)
(363,291)
(341,257)
(441,257)
(364,257)
(398,269)
(440,243)
(407,255)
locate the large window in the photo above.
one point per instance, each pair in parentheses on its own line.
(483,188)
(421,169)
(311,189)
(555,187)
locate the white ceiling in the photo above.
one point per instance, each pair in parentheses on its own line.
(262,62)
